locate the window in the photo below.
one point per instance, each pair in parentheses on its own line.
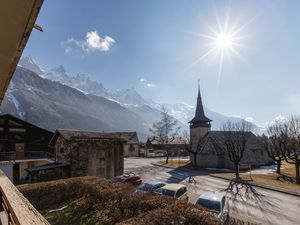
(61,150)
(180,192)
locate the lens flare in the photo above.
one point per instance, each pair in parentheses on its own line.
(223,41)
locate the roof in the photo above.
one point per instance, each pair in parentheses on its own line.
(18,120)
(130,137)
(175,141)
(17,19)
(47,167)
(214,143)
(173,187)
(213,196)
(153,182)
(199,114)
(79,135)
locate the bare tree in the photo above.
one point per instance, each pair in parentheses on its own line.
(194,148)
(165,130)
(236,136)
(293,145)
(276,144)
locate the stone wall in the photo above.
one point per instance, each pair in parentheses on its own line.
(102,158)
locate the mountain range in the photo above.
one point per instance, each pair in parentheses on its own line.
(55,99)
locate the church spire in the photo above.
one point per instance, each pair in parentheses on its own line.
(200,117)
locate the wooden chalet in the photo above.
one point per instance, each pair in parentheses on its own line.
(22,146)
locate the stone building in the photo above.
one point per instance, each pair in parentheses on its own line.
(89,153)
(213,154)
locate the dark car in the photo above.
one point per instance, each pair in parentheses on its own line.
(128,178)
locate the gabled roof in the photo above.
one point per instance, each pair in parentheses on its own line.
(130,137)
(215,143)
(20,121)
(17,19)
(80,135)
(199,114)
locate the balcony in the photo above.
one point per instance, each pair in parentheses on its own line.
(17,210)
(26,155)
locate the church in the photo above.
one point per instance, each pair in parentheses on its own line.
(213,154)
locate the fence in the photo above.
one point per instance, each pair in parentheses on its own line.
(12,156)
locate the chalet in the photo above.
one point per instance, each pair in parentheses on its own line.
(89,153)
(22,146)
(174,147)
(213,153)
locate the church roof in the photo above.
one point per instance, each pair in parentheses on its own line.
(199,115)
(215,145)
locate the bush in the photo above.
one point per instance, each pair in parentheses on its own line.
(109,203)
(180,213)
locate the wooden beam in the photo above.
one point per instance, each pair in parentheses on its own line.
(19,209)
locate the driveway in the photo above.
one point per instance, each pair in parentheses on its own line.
(248,204)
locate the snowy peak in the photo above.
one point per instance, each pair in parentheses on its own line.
(29,63)
(129,96)
(59,70)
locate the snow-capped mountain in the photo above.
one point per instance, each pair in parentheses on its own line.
(29,63)
(147,110)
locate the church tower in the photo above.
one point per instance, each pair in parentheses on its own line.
(200,124)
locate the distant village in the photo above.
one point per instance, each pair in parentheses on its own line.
(31,154)
(229,176)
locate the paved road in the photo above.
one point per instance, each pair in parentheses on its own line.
(249,204)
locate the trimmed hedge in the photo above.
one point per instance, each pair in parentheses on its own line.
(111,203)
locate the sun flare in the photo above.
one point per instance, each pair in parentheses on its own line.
(224,41)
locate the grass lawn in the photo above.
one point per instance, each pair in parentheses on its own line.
(285,180)
(175,163)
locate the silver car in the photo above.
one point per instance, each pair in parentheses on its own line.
(215,202)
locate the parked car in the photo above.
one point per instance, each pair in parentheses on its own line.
(150,186)
(128,178)
(178,191)
(215,202)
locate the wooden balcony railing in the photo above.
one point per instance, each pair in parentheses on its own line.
(12,156)
(17,208)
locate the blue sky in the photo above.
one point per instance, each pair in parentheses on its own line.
(151,45)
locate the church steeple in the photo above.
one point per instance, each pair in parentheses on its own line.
(200,119)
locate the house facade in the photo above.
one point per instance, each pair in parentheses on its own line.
(174,147)
(131,146)
(89,153)
(22,146)
(213,151)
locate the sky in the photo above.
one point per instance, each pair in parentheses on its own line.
(162,49)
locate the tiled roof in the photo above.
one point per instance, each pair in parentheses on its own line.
(79,135)
(215,143)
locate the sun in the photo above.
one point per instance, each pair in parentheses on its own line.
(224,41)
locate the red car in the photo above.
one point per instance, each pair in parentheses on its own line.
(128,178)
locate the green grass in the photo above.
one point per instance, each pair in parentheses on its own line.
(78,212)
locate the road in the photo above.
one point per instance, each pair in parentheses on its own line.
(246,203)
